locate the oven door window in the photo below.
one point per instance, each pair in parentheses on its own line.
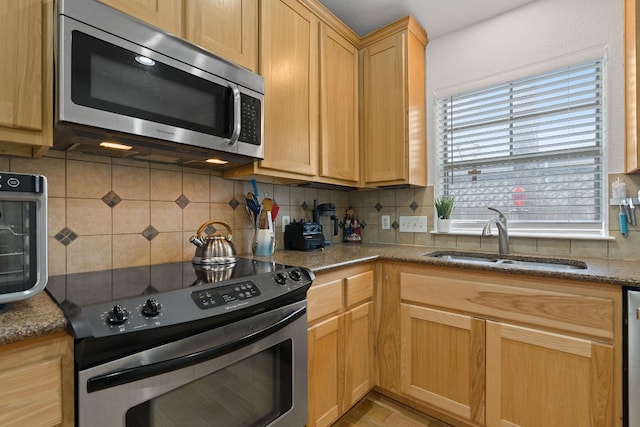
(109,78)
(252,392)
(18,267)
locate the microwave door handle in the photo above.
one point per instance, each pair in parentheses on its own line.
(236,114)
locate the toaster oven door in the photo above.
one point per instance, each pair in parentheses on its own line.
(23,234)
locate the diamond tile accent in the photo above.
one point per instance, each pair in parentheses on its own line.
(304,206)
(150,233)
(66,236)
(209,230)
(395,225)
(378,206)
(234,203)
(182,201)
(414,206)
(111,199)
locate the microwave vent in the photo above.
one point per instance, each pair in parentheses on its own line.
(159,158)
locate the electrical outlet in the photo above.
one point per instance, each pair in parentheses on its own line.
(285,220)
(413,224)
(385,222)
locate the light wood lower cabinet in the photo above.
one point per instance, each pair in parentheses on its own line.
(36,382)
(442,360)
(481,348)
(537,378)
(340,342)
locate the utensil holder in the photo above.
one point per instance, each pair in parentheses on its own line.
(264,242)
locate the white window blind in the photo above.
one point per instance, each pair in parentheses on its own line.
(532,148)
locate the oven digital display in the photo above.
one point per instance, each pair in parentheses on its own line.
(223,295)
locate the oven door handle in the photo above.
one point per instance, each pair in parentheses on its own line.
(129,375)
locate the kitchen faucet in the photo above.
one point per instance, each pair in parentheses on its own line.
(503,232)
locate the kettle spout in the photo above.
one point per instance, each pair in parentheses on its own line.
(196,241)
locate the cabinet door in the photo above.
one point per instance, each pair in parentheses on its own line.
(339,147)
(384,122)
(325,352)
(164,14)
(289,64)
(228,28)
(358,353)
(537,378)
(442,360)
(26,85)
(36,383)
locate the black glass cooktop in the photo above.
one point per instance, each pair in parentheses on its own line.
(82,289)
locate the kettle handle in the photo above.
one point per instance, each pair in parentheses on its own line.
(208,223)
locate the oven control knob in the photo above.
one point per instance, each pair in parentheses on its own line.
(117,315)
(151,308)
(295,275)
(280,278)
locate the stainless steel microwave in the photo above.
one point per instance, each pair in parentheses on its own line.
(127,89)
(23,236)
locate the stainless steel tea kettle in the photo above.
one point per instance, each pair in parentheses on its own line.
(213,248)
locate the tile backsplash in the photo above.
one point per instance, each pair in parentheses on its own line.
(110,213)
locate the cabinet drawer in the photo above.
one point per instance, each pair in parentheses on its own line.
(324,299)
(550,304)
(359,288)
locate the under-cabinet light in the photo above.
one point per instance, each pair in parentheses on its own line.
(115,145)
(217,161)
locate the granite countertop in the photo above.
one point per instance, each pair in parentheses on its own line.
(31,318)
(40,315)
(617,272)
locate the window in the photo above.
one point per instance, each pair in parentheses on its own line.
(532,148)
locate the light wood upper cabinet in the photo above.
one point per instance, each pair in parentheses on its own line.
(164,14)
(289,64)
(228,28)
(36,382)
(339,147)
(310,65)
(393,139)
(632,89)
(26,83)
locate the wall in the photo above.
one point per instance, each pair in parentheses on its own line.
(539,35)
(109,213)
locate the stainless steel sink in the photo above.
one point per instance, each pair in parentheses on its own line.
(528,262)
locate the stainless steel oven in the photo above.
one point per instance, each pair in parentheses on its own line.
(182,351)
(23,235)
(248,373)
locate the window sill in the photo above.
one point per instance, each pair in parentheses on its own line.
(532,235)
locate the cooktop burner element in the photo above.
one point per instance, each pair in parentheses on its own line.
(127,307)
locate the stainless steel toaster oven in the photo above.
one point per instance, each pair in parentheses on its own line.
(23,236)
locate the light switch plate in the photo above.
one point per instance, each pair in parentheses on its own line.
(385,222)
(413,224)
